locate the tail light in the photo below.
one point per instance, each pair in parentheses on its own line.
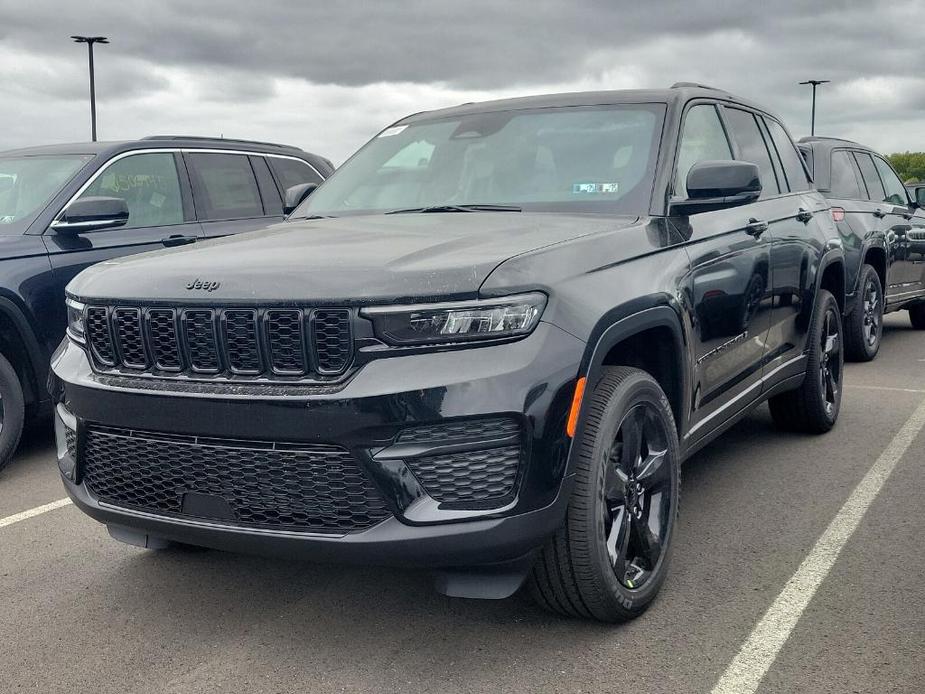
(838,214)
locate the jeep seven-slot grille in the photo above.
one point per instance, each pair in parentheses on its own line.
(262,484)
(236,342)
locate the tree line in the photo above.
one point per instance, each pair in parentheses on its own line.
(909,165)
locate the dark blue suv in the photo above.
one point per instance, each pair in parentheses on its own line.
(65,207)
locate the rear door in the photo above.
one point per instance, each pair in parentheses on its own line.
(233,192)
(729,281)
(859,227)
(802,227)
(160,212)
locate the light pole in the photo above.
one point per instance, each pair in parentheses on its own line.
(815,83)
(90,40)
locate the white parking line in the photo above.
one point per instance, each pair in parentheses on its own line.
(760,650)
(38,510)
(888,388)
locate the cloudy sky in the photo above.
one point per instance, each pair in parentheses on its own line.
(327,75)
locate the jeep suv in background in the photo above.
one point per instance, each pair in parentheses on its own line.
(883,233)
(479,347)
(65,207)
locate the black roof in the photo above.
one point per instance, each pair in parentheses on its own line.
(680,93)
(163,141)
(821,156)
(818,142)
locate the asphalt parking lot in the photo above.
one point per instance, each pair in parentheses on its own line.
(80,612)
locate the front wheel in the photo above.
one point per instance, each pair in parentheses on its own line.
(864,326)
(609,559)
(12,411)
(814,406)
(917,316)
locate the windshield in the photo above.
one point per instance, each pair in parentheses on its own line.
(28,183)
(571,159)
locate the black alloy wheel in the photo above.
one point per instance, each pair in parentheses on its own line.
(637,501)
(864,326)
(830,364)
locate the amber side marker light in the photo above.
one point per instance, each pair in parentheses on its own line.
(576,407)
(838,214)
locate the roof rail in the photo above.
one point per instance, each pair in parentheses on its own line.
(219,139)
(680,85)
(817,138)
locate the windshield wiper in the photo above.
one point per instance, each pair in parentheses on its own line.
(481,207)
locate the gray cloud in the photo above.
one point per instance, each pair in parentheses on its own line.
(219,66)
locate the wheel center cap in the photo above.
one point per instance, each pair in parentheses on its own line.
(632,492)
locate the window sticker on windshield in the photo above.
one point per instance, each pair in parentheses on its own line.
(593,188)
(394,130)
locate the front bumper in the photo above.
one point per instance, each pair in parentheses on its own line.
(529,381)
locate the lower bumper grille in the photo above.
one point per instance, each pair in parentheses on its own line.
(482,470)
(304,487)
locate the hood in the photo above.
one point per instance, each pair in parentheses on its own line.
(370,259)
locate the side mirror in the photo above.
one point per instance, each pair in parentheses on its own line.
(296,194)
(716,185)
(920,196)
(92,214)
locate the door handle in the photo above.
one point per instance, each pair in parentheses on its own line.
(178,240)
(756,227)
(804,215)
(879,214)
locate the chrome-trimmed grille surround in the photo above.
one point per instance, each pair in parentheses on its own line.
(234,341)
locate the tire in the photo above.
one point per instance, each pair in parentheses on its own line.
(864,326)
(813,407)
(576,573)
(917,316)
(12,411)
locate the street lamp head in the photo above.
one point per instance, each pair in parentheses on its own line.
(90,39)
(816,82)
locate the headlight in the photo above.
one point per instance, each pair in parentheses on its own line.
(427,324)
(75,321)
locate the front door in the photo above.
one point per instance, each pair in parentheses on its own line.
(151,187)
(728,284)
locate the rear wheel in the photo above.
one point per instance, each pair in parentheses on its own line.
(917,316)
(864,327)
(610,557)
(814,406)
(12,411)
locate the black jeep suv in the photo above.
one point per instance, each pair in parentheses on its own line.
(65,207)
(483,346)
(883,233)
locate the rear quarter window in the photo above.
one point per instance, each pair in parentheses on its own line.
(843,179)
(292,172)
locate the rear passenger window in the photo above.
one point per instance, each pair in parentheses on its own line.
(791,160)
(292,172)
(224,186)
(702,139)
(895,190)
(752,147)
(844,183)
(871,178)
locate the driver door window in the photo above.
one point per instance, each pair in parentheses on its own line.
(149,185)
(702,139)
